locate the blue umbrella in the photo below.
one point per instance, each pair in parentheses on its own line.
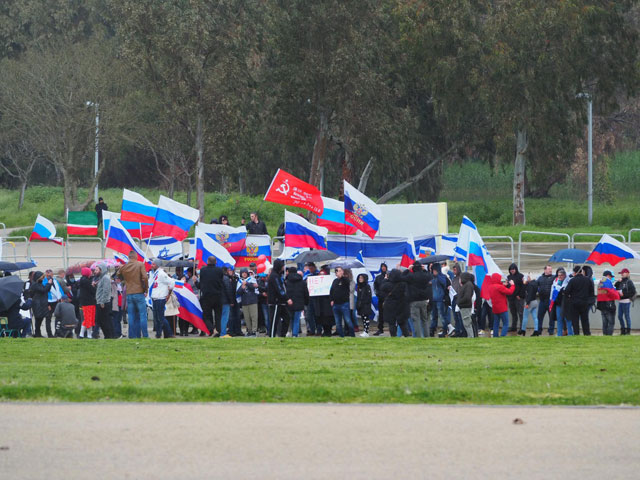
(570,255)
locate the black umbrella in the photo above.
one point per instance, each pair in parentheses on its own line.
(8,267)
(315,256)
(10,291)
(346,263)
(433,259)
(21,266)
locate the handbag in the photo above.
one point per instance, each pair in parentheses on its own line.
(172,307)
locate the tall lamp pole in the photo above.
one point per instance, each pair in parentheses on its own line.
(590,155)
(97,147)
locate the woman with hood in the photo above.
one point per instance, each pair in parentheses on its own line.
(557,302)
(485,320)
(103,300)
(397,304)
(363,302)
(499,293)
(466,292)
(87,299)
(39,293)
(299,295)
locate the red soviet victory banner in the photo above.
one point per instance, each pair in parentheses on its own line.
(289,190)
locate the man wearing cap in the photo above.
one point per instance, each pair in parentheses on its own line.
(627,291)
(607,295)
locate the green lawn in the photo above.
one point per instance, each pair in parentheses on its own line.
(512,370)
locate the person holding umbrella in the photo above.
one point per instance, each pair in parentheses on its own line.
(11,304)
(39,293)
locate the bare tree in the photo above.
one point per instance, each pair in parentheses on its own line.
(18,159)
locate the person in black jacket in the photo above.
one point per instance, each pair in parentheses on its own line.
(278,300)
(210,286)
(378,290)
(39,293)
(256,226)
(545,282)
(322,310)
(299,295)
(396,304)
(418,284)
(465,303)
(516,299)
(580,290)
(363,302)
(340,292)
(530,305)
(627,291)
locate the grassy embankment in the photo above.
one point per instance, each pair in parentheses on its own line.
(470,189)
(512,370)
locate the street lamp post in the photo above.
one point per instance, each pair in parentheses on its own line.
(97,147)
(590,156)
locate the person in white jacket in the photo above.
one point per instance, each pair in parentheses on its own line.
(160,285)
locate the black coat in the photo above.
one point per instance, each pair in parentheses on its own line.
(86,291)
(257,228)
(297,292)
(276,290)
(39,294)
(322,310)
(418,284)
(518,281)
(363,302)
(210,282)
(340,291)
(229,285)
(545,282)
(579,290)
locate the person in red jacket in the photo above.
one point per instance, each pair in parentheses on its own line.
(499,291)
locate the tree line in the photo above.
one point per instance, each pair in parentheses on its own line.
(202,94)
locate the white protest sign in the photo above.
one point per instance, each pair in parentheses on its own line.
(319,285)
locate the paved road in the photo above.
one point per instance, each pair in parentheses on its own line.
(171,441)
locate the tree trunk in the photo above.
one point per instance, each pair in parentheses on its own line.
(319,150)
(23,189)
(362,186)
(240,184)
(189,190)
(522,143)
(200,167)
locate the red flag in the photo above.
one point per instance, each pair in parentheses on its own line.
(289,190)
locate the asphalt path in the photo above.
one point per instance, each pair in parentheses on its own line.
(325,441)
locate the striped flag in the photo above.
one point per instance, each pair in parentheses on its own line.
(360,211)
(207,247)
(120,241)
(82,224)
(136,208)
(332,217)
(44,229)
(234,239)
(174,219)
(409,254)
(300,233)
(190,309)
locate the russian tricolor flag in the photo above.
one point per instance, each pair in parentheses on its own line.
(234,239)
(190,309)
(207,247)
(332,217)
(409,254)
(360,211)
(471,247)
(119,240)
(135,229)
(174,219)
(300,233)
(136,208)
(44,229)
(611,251)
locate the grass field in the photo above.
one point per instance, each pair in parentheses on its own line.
(512,370)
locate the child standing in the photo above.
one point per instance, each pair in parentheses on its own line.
(363,302)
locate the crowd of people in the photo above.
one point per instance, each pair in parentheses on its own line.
(418,301)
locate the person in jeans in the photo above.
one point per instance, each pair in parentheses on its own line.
(607,295)
(517,300)
(579,291)
(530,304)
(137,283)
(558,301)
(339,295)
(627,291)
(299,295)
(499,292)
(465,303)
(161,287)
(439,288)
(418,282)
(545,281)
